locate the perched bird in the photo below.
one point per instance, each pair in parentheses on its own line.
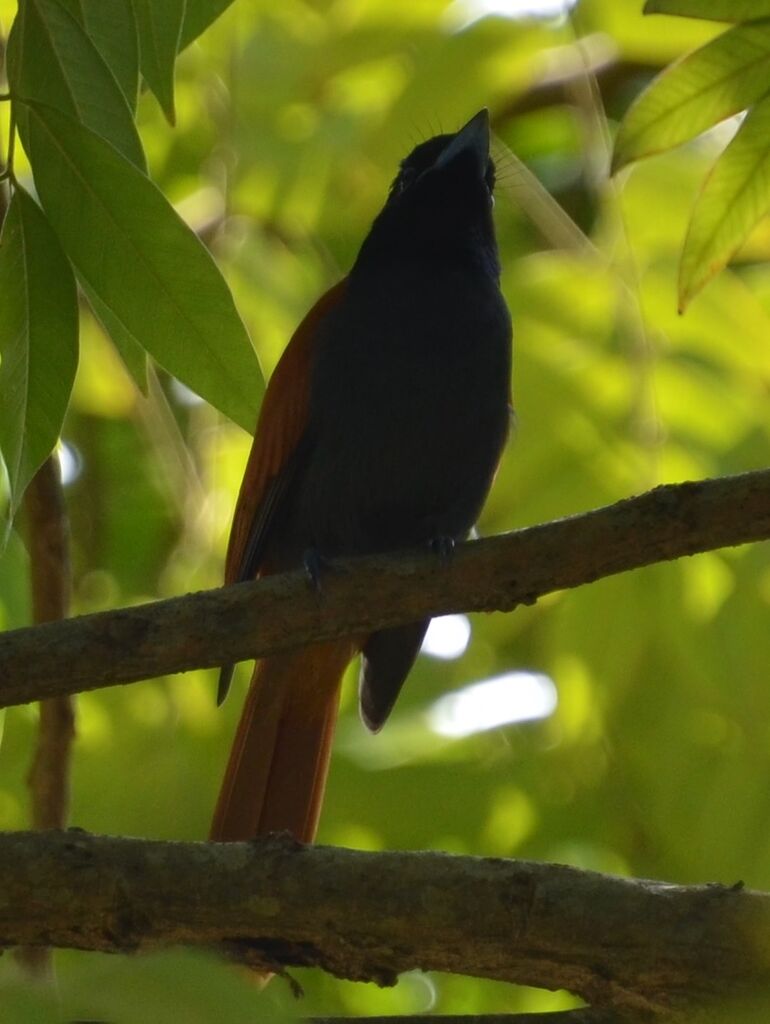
(381,429)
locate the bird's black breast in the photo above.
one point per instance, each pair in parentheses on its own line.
(409,411)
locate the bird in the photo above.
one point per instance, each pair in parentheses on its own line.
(381,429)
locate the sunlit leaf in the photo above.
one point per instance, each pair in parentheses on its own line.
(734,196)
(718,80)
(38,340)
(199,14)
(111,27)
(53,61)
(144,263)
(160,27)
(711,10)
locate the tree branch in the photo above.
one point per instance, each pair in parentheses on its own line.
(280,612)
(635,946)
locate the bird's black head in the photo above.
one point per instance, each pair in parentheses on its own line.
(440,204)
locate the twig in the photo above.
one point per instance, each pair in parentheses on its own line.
(615,77)
(280,612)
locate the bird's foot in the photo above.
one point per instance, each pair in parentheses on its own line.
(442,546)
(315,565)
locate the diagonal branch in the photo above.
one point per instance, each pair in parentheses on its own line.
(234,623)
(633,946)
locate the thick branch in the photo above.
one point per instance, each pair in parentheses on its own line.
(280,612)
(630,945)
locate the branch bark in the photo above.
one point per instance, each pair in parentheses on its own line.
(280,612)
(636,947)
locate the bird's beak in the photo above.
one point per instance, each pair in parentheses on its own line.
(472,138)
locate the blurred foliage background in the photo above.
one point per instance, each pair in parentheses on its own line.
(291,119)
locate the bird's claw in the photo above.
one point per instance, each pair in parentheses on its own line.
(315,565)
(443,547)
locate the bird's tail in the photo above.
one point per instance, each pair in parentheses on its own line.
(279,760)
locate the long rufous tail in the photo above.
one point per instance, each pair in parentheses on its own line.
(279,760)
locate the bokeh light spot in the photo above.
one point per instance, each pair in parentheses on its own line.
(448,637)
(70,463)
(513,697)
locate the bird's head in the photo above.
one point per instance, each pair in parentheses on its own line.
(440,203)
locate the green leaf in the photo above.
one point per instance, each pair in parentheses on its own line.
(111,26)
(144,263)
(160,28)
(38,340)
(52,60)
(711,10)
(712,83)
(198,16)
(733,198)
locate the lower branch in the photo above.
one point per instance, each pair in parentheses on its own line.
(636,947)
(280,612)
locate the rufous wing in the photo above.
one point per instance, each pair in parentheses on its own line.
(280,428)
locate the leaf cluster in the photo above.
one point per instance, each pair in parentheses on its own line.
(73,74)
(727,77)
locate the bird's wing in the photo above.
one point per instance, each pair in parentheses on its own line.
(280,428)
(273,458)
